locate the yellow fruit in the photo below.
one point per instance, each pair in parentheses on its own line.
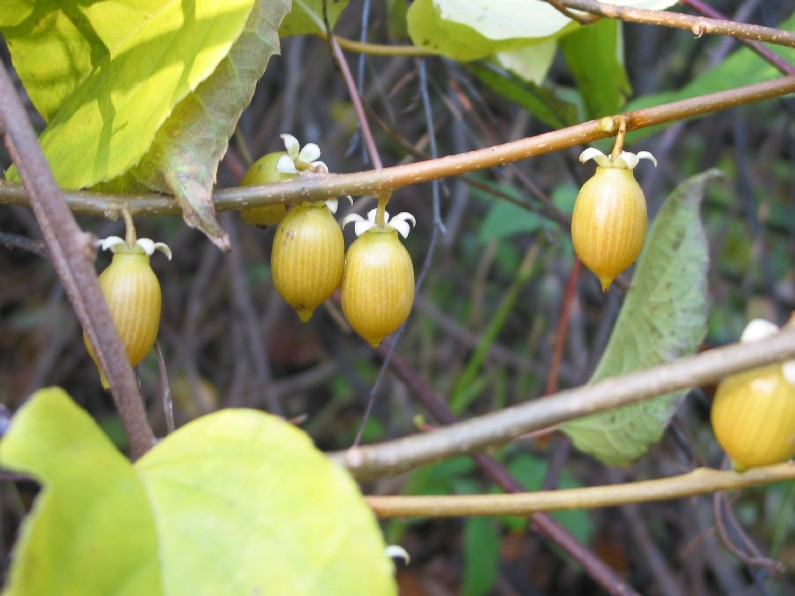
(377,289)
(263,171)
(753,417)
(132,293)
(308,257)
(608,225)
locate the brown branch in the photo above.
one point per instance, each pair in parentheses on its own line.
(698,25)
(764,52)
(501,427)
(315,187)
(71,252)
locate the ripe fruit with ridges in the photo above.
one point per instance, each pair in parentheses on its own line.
(132,292)
(308,256)
(753,414)
(377,289)
(276,167)
(608,225)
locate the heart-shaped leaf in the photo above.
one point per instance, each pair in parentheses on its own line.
(237,502)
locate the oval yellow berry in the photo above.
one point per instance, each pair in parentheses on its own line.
(608,225)
(377,289)
(133,295)
(308,257)
(263,171)
(753,417)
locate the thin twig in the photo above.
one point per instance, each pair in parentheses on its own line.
(15,241)
(503,426)
(315,187)
(698,482)
(498,473)
(698,25)
(375,49)
(356,100)
(773,58)
(561,334)
(72,253)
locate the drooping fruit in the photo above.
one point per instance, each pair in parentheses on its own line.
(263,171)
(377,289)
(753,414)
(132,292)
(308,257)
(276,167)
(608,225)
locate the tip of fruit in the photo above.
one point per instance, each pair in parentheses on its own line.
(105,384)
(374,344)
(606,282)
(305,315)
(738,467)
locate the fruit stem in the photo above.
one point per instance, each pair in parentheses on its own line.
(380,220)
(618,146)
(130,236)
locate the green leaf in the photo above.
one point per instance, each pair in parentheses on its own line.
(506,219)
(742,67)
(106,120)
(531,471)
(143,95)
(91,530)
(541,102)
(306,17)
(481,556)
(237,502)
(470,29)
(246,504)
(532,62)
(595,57)
(183,159)
(664,317)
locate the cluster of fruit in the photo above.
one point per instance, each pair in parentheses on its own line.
(753,416)
(308,262)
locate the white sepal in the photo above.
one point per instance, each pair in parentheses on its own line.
(110,242)
(395,551)
(291,145)
(301,158)
(758,329)
(308,154)
(624,160)
(286,165)
(593,153)
(401,222)
(141,246)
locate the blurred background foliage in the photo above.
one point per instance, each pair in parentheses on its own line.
(481,333)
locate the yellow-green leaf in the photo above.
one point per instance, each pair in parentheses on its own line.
(183,158)
(237,502)
(664,317)
(470,29)
(109,119)
(92,530)
(306,17)
(245,504)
